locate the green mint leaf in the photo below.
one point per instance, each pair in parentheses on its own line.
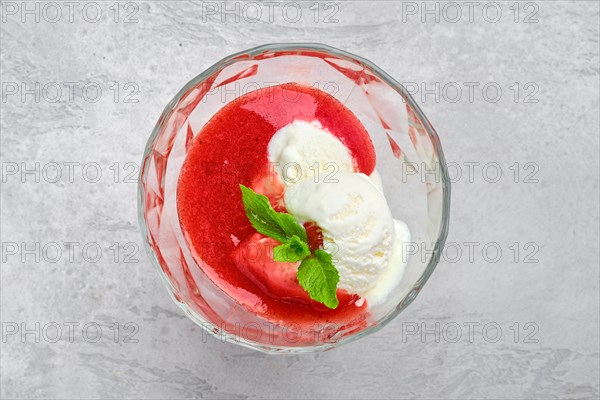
(319,278)
(290,226)
(294,250)
(279,226)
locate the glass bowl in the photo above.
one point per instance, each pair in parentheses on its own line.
(409,160)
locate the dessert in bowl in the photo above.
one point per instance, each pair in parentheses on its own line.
(284,198)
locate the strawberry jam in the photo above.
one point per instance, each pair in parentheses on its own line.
(231,150)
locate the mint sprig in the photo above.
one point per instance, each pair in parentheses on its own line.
(316,274)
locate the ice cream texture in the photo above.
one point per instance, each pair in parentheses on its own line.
(349,207)
(303,150)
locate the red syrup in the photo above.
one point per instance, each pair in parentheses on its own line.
(231,150)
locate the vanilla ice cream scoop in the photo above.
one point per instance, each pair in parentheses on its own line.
(321,185)
(303,149)
(357,225)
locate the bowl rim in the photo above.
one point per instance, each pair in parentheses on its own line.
(389,80)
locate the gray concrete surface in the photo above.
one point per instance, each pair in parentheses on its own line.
(528,318)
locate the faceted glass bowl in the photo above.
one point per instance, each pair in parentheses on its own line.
(409,160)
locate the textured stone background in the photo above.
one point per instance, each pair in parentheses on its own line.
(552,124)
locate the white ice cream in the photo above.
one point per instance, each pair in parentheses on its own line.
(301,149)
(349,207)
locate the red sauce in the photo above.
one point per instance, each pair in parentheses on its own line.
(230,150)
(314,235)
